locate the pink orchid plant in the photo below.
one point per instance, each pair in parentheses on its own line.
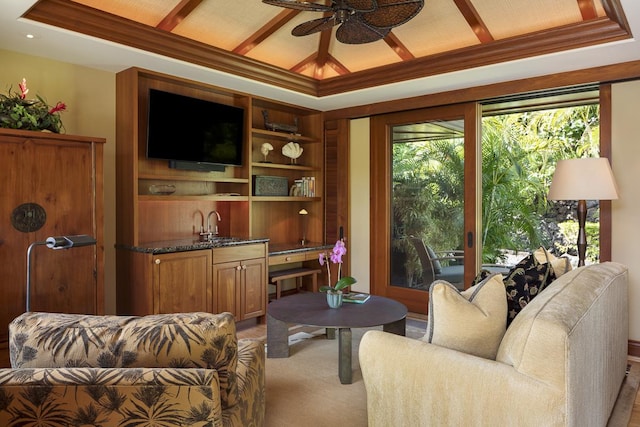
(335,256)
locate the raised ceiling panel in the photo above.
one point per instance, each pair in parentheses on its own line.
(285,50)
(438,28)
(435,39)
(225,25)
(361,57)
(148,12)
(509,18)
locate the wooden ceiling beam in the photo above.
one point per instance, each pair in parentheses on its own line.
(587,9)
(307,62)
(337,66)
(474,20)
(182,9)
(265,31)
(323,54)
(398,47)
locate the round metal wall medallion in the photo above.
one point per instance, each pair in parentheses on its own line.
(28,217)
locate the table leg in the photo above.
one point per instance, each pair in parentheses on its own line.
(344,364)
(331,333)
(398,327)
(277,338)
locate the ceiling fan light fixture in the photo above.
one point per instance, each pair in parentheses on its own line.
(361,21)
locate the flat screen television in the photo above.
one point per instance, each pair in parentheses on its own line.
(192,133)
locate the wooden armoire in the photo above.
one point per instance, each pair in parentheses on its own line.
(52,185)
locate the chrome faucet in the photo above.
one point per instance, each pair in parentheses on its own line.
(199,212)
(209,232)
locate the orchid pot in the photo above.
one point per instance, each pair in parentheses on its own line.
(334,299)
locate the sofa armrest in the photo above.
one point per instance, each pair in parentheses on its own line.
(100,396)
(251,406)
(411,382)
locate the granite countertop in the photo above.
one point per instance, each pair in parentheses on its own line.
(183,245)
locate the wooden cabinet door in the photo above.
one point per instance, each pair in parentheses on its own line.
(61,181)
(254,288)
(13,243)
(226,288)
(182,282)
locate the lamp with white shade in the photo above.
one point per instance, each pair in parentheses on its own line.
(583,179)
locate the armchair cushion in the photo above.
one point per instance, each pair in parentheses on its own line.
(472,321)
(109,397)
(184,340)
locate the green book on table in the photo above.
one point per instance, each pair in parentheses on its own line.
(355,297)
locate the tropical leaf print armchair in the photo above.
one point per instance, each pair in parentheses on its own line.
(164,370)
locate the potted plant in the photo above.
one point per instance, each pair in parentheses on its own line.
(334,292)
(18,112)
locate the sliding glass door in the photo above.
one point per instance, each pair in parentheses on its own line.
(424,211)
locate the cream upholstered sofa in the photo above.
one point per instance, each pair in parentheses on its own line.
(169,369)
(560,363)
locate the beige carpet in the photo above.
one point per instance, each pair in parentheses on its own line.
(302,390)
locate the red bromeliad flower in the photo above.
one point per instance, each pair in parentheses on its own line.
(23,88)
(60,106)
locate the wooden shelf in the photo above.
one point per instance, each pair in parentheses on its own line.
(283,135)
(192,198)
(284,199)
(283,166)
(202,178)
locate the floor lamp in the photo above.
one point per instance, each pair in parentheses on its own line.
(58,242)
(583,179)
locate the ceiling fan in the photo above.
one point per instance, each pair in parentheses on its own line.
(361,21)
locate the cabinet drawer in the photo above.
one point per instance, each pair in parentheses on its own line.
(313,255)
(238,253)
(286,258)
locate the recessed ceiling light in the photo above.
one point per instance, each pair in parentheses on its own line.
(30,36)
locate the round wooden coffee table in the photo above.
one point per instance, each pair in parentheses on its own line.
(311,309)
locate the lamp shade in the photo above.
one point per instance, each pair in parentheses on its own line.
(583,179)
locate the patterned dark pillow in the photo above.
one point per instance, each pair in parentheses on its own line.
(526,280)
(480,277)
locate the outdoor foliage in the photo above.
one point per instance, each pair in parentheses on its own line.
(519,154)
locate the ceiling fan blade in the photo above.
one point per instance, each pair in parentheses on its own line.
(356,31)
(314,26)
(299,5)
(361,5)
(391,13)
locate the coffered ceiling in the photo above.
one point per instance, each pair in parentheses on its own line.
(249,39)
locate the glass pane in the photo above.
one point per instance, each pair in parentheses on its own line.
(427,206)
(519,155)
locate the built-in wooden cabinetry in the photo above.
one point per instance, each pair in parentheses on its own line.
(238,277)
(52,186)
(143,217)
(192,270)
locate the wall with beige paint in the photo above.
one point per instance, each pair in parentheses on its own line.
(359,203)
(90,96)
(625,163)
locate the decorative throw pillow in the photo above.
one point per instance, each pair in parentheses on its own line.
(472,321)
(526,280)
(560,265)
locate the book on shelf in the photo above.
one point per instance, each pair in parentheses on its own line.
(355,297)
